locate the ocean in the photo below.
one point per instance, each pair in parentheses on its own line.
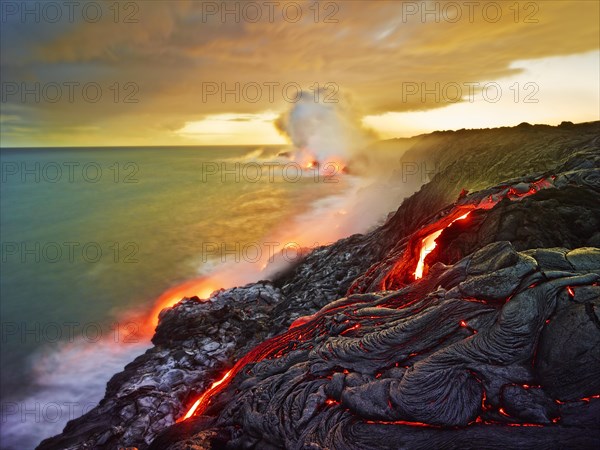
(92,236)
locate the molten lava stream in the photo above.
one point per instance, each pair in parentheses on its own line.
(428,244)
(273,347)
(202,402)
(422,242)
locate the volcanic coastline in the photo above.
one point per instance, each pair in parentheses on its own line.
(469,319)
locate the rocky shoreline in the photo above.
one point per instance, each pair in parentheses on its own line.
(496,346)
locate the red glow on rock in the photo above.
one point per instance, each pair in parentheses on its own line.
(204,398)
(274,347)
(484,405)
(301,321)
(570,291)
(201,288)
(524,425)
(428,244)
(504,413)
(464,324)
(352,328)
(414,254)
(402,422)
(583,399)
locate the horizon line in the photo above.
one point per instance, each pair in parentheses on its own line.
(290,144)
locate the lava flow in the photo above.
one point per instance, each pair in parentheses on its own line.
(260,352)
(305,329)
(427,246)
(202,402)
(423,241)
(201,288)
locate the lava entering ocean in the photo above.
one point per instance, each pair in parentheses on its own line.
(201,288)
(345,214)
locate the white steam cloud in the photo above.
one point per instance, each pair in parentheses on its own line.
(325,131)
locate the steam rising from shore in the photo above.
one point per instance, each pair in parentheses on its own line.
(324,131)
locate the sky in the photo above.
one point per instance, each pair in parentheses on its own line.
(221,73)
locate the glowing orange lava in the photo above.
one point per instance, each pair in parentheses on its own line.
(204,398)
(504,413)
(201,288)
(428,244)
(328,167)
(411,266)
(332,168)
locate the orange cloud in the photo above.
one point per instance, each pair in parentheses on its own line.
(172,53)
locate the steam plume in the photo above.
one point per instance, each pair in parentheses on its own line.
(324,131)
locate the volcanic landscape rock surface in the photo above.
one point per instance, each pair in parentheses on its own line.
(505,337)
(497,346)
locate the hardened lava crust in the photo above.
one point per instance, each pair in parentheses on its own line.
(488,339)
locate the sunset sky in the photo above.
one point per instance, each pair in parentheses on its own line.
(170,57)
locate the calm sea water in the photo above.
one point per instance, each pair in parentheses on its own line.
(149,211)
